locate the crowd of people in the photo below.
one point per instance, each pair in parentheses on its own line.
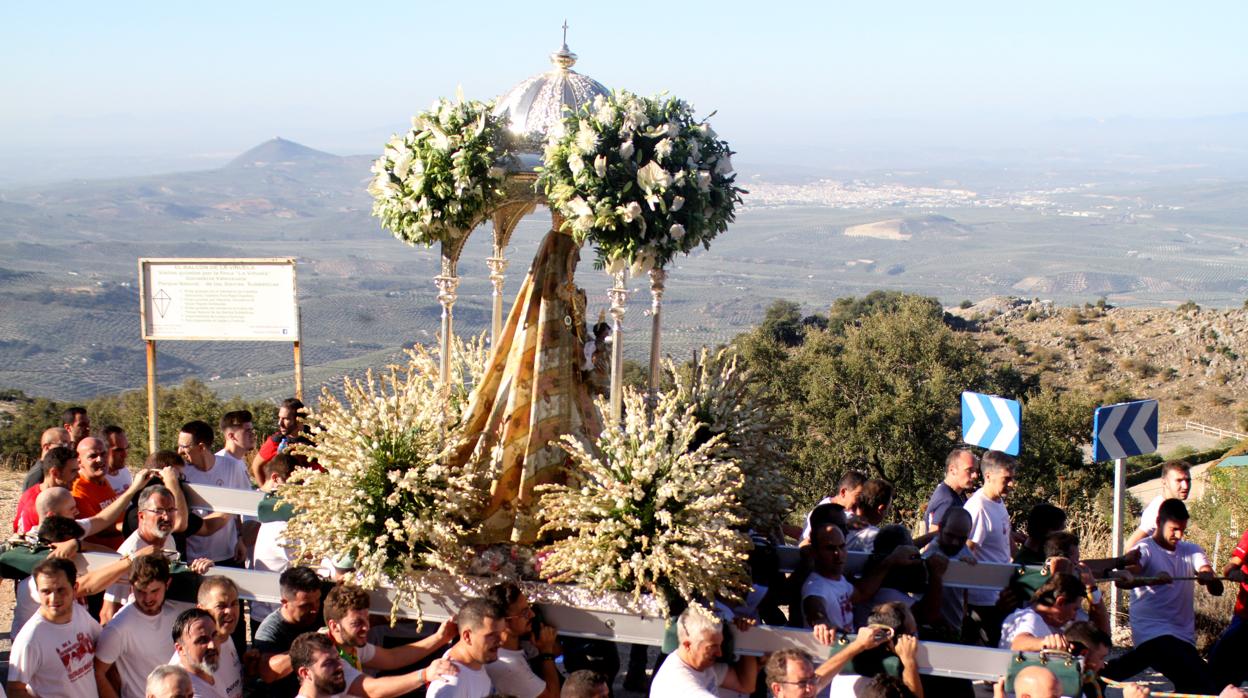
(152,623)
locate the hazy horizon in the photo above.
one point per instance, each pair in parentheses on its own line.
(100,91)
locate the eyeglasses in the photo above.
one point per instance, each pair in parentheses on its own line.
(167,512)
(804,683)
(526,612)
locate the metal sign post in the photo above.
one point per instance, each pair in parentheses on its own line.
(1118,432)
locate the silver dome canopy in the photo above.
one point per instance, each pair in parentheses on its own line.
(536,105)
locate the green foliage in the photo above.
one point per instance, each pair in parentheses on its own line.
(878,390)
(1189,306)
(1055,428)
(19,435)
(881,396)
(966,303)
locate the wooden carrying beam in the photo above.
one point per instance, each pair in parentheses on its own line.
(936,658)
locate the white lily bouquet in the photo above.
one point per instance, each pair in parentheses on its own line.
(641,178)
(441,179)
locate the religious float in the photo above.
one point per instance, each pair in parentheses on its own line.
(525,457)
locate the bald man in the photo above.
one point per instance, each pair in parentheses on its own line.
(50,439)
(1037,682)
(93,491)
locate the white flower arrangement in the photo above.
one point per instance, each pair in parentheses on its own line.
(719,393)
(384,498)
(441,179)
(654,514)
(641,179)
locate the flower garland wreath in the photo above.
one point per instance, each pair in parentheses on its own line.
(440,179)
(641,179)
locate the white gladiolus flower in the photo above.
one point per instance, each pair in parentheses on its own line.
(616,265)
(576,164)
(678,202)
(704,180)
(626,149)
(723,166)
(600,165)
(677,231)
(653,176)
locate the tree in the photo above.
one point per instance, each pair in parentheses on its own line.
(882,396)
(782,322)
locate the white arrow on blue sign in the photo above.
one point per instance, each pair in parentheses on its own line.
(991,422)
(1124,430)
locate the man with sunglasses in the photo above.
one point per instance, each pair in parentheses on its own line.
(511,672)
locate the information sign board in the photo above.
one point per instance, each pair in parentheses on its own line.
(219,299)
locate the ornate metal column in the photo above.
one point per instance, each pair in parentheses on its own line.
(448,284)
(497,265)
(657,279)
(619,305)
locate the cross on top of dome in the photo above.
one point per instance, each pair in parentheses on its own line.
(536,105)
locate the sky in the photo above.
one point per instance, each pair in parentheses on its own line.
(163,81)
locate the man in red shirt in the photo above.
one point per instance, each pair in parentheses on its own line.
(92,491)
(60,468)
(289,433)
(1227,656)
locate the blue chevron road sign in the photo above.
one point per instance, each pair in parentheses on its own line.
(1124,430)
(991,422)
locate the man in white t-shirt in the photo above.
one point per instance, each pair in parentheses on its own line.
(346,619)
(158,509)
(1176,483)
(53,655)
(138,639)
(118,451)
(195,639)
(692,670)
(1038,625)
(315,662)
(218,595)
(991,538)
(481,624)
(1163,619)
(511,673)
(204,467)
(848,490)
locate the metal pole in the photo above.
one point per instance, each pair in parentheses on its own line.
(1120,493)
(497,265)
(152,436)
(447,286)
(299,357)
(657,279)
(619,300)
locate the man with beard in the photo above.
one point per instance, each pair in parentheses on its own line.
(195,638)
(219,597)
(157,512)
(346,621)
(289,433)
(1176,483)
(317,665)
(136,640)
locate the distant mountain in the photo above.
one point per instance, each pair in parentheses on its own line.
(279,151)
